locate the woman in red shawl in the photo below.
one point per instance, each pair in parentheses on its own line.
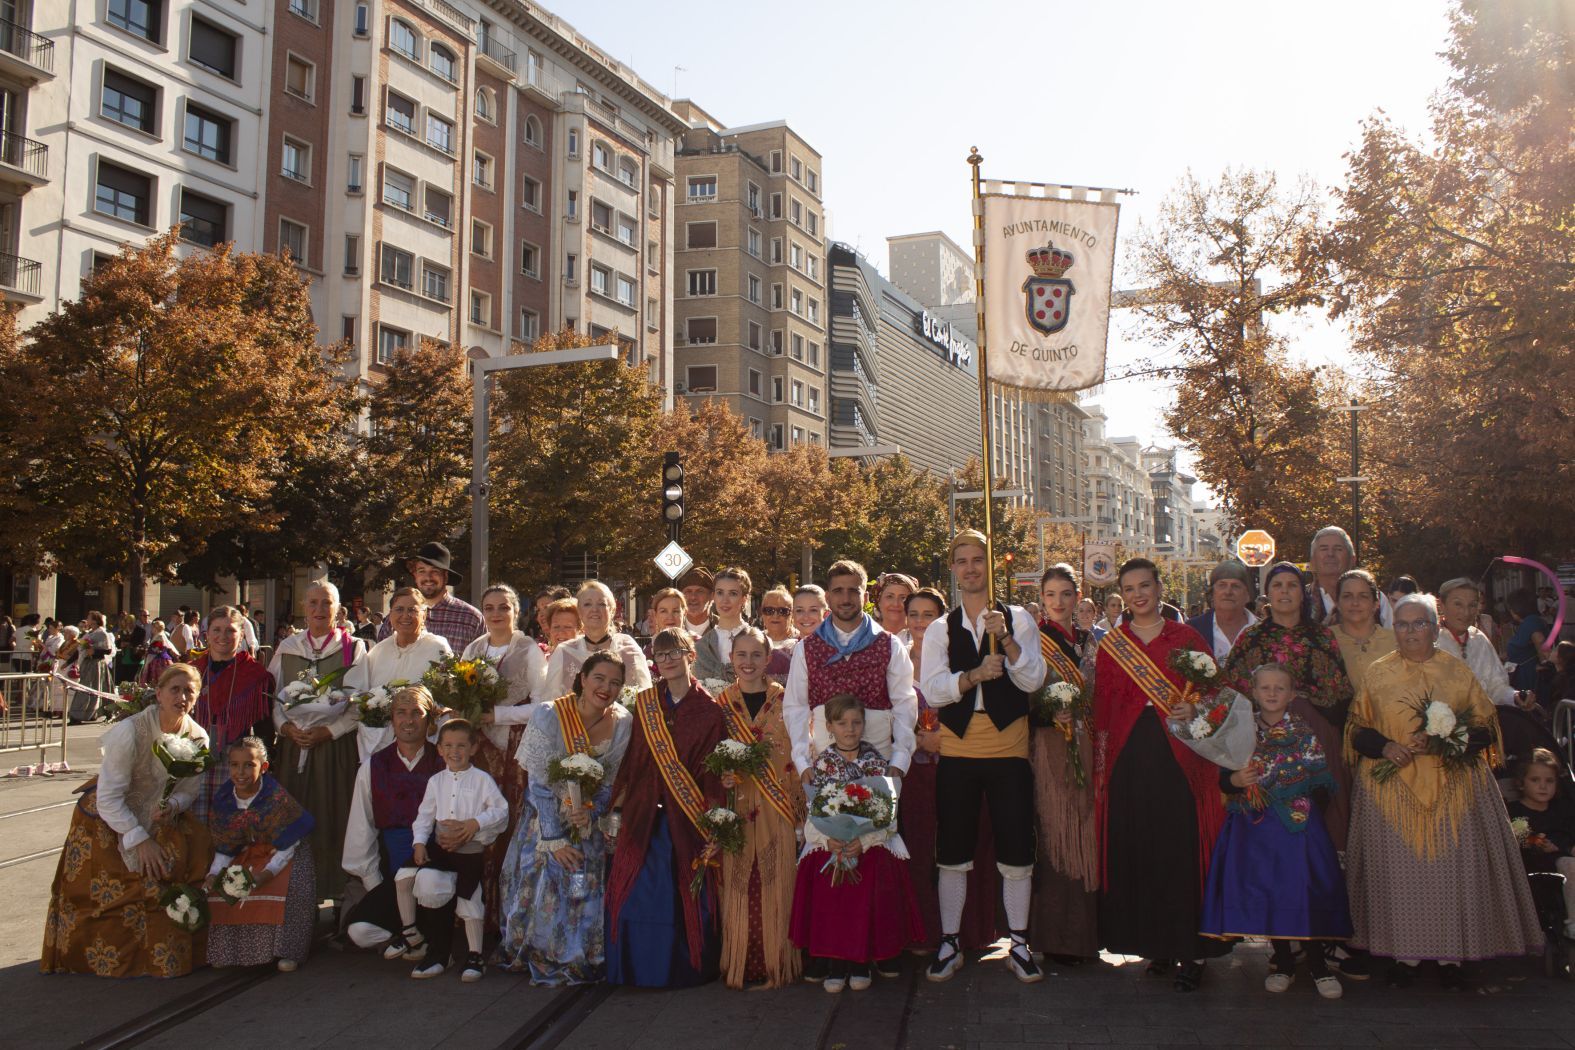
(236,700)
(1157,803)
(659,934)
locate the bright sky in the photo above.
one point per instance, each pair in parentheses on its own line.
(1126,94)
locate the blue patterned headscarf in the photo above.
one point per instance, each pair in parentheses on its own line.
(1301,581)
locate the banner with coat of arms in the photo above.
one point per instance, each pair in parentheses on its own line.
(1099,564)
(1048,266)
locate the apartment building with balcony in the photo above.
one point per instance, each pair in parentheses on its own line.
(750,278)
(475,171)
(1120,493)
(1175,521)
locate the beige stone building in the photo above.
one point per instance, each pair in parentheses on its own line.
(749,276)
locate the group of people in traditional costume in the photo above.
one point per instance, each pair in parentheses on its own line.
(574,833)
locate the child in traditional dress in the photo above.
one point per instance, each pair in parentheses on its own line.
(1274,872)
(461,812)
(256,824)
(849,919)
(757,883)
(1549,834)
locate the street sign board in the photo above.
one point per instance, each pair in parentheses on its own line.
(1255,548)
(673,560)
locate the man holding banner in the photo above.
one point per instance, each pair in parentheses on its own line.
(979,670)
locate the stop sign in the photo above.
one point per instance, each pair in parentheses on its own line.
(1255,548)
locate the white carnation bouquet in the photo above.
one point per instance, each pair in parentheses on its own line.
(374,706)
(723,830)
(1448,738)
(186,906)
(235,883)
(182,757)
(580,775)
(714,686)
(740,759)
(313,702)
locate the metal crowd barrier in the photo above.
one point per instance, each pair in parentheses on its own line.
(27,724)
(1564,730)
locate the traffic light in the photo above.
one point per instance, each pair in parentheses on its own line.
(673,494)
(1008,556)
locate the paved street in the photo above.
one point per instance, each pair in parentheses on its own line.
(354,1000)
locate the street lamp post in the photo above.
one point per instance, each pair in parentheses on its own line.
(1355,480)
(481,371)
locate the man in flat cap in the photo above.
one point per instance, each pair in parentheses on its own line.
(1230,592)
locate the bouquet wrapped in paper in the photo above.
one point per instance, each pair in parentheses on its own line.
(470,688)
(313,702)
(1222,728)
(182,757)
(850,811)
(580,776)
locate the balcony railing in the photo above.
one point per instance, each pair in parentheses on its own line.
(27,45)
(497,52)
(24,154)
(20,275)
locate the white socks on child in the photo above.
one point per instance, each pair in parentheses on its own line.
(405,893)
(953,890)
(473,934)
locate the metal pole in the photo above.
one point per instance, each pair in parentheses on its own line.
(480,526)
(974,161)
(1356,486)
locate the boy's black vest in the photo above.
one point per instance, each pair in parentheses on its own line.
(1004,703)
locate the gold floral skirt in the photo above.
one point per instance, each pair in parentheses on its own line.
(105,919)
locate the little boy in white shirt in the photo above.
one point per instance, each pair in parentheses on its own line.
(461,812)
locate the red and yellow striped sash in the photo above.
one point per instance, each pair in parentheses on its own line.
(1140,667)
(572,726)
(741,728)
(680,782)
(1059,662)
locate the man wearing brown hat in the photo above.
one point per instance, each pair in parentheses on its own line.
(697,586)
(1230,591)
(458,622)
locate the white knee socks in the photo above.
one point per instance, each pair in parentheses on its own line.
(405,892)
(953,890)
(1015,894)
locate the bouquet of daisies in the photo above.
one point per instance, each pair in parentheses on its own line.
(628,696)
(723,830)
(182,757)
(850,811)
(714,686)
(186,906)
(312,702)
(235,883)
(1448,738)
(133,699)
(1223,729)
(470,688)
(581,776)
(1061,698)
(740,759)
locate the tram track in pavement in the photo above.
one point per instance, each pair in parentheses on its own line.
(161,1019)
(555,1022)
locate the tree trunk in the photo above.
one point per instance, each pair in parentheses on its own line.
(136,583)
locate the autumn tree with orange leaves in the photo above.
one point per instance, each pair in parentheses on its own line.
(155,411)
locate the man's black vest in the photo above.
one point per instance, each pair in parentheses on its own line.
(1004,703)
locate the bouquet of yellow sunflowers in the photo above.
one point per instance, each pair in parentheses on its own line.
(469,688)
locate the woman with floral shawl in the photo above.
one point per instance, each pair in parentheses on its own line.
(1290,636)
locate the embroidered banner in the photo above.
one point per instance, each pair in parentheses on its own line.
(1048,263)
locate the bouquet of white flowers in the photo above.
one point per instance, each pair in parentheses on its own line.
(1448,738)
(182,757)
(628,695)
(714,686)
(1057,698)
(312,702)
(374,707)
(724,832)
(740,759)
(1224,729)
(580,775)
(186,906)
(235,883)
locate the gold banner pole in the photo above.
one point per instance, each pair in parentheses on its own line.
(975,160)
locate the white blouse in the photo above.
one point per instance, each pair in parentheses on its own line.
(565,663)
(388,662)
(131,777)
